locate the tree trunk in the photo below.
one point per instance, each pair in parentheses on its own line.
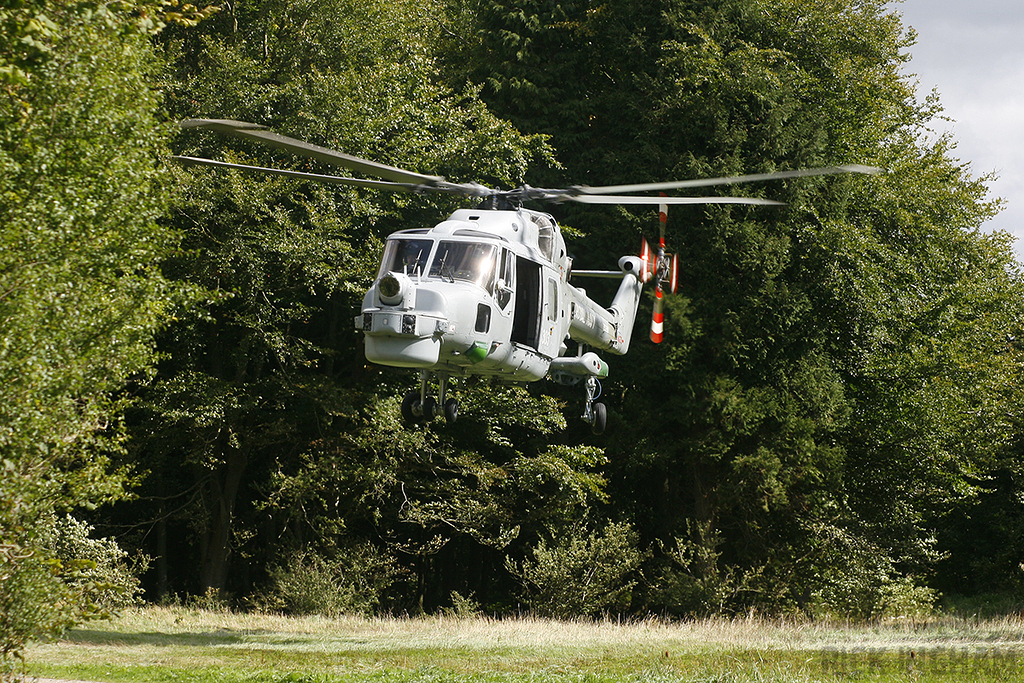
(222,494)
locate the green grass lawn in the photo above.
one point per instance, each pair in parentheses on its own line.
(153,645)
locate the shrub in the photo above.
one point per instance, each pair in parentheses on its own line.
(582,576)
(463,607)
(33,602)
(695,581)
(104,572)
(349,581)
(55,576)
(861,581)
(873,593)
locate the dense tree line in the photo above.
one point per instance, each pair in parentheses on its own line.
(82,194)
(838,371)
(830,427)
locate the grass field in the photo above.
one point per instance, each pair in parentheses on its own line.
(153,645)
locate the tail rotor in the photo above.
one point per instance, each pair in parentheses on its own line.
(663,269)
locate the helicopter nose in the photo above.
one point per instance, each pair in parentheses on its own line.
(391,323)
(403,338)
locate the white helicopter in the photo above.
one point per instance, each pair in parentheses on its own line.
(487,291)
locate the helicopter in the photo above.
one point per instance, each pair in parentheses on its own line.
(488,290)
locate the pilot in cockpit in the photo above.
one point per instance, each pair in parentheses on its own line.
(414,256)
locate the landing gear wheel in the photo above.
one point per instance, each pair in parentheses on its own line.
(418,407)
(429,409)
(600,418)
(451,411)
(410,408)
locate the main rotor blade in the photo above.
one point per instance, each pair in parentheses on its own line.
(630,199)
(708,182)
(332,157)
(330,179)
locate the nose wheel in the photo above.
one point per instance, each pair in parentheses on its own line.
(419,407)
(416,409)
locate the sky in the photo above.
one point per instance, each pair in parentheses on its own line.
(972,52)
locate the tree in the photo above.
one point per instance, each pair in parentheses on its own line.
(267,381)
(81,296)
(839,377)
(452,502)
(852,344)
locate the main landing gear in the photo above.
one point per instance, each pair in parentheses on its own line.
(418,407)
(594,414)
(585,367)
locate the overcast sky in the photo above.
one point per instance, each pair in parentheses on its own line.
(972,51)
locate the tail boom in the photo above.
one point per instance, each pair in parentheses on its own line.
(608,329)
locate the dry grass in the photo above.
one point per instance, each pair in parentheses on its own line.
(156,644)
(273,631)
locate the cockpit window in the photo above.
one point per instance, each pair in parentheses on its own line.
(469,261)
(407,256)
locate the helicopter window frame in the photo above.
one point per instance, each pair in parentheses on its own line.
(546,234)
(396,251)
(552,299)
(506,274)
(473,262)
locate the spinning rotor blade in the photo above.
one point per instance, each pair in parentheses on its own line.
(399,179)
(332,157)
(330,179)
(647,261)
(585,191)
(627,199)
(662,222)
(263,134)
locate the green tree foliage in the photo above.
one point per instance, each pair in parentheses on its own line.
(836,369)
(264,431)
(452,502)
(81,189)
(348,581)
(833,411)
(104,572)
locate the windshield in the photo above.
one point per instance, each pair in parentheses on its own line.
(470,261)
(407,256)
